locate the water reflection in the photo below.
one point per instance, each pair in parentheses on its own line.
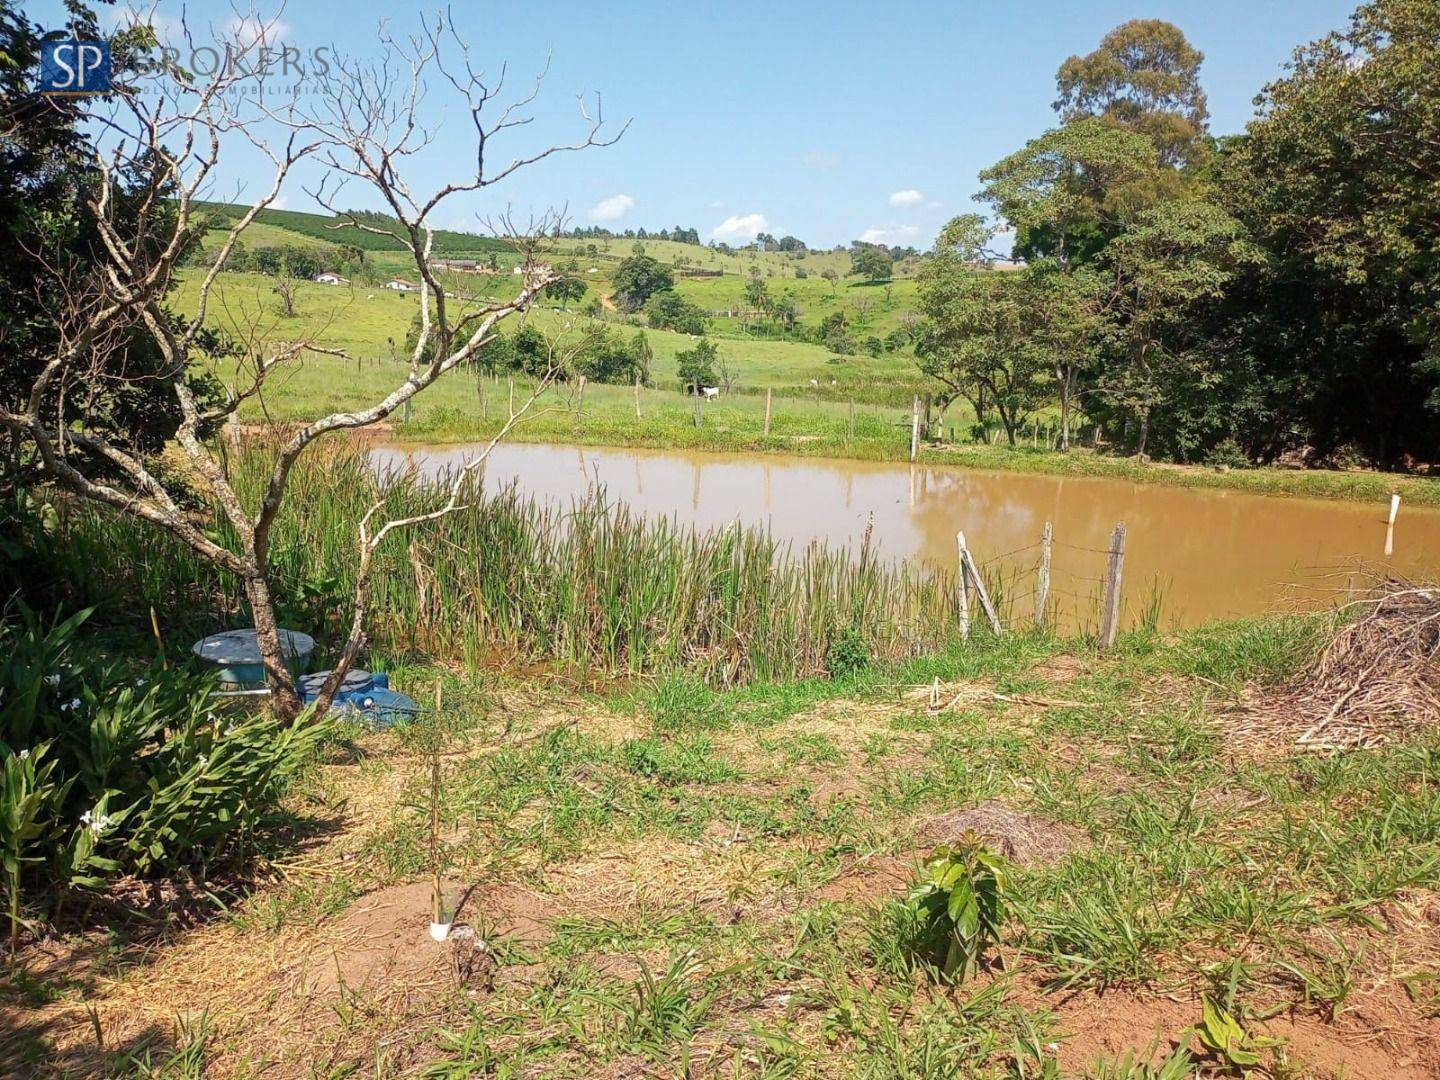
(1214,553)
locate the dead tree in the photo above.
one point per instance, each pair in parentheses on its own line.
(158,145)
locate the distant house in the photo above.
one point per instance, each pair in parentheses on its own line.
(466,265)
(536,268)
(329,278)
(401,285)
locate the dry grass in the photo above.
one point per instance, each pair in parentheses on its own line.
(1377,678)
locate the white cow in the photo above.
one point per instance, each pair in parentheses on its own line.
(710,392)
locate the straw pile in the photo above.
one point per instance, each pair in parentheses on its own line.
(1377,678)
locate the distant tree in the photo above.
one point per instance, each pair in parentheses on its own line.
(566,290)
(303,262)
(668,310)
(831,277)
(792,243)
(637,279)
(267,260)
(1145,76)
(976,345)
(606,357)
(785,312)
(641,356)
(863,306)
(834,333)
(696,365)
(285,289)
(757,296)
(871,262)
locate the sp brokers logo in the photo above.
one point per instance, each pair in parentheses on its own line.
(69,66)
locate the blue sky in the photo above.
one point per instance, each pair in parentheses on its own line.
(820,119)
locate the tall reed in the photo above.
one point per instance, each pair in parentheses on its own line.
(592,585)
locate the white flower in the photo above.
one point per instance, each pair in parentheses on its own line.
(97,823)
(52,680)
(139,683)
(73,703)
(24,753)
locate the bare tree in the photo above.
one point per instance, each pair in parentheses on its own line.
(158,147)
(285,289)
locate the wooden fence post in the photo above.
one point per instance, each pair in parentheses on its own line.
(1042,581)
(580,404)
(767,412)
(695,386)
(511,380)
(915,428)
(1110,611)
(1390,527)
(964,588)
(637,395)
(852,418)
(976,582)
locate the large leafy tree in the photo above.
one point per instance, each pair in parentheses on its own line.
(1173,263)
(1339,179)
(982,338)
(1068,191)
(871,262)
(637,279)
(1145,76)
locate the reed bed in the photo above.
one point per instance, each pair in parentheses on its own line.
(590,586)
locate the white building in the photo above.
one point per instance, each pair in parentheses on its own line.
(401,285)
(329,278)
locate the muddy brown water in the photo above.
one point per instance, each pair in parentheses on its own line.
(1207,554)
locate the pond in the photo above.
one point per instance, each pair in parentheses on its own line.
(1202,554)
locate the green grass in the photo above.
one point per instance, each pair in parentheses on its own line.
(721,867)
(807,420)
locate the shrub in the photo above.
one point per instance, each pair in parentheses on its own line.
(106,773)
(958,905)
(847,653)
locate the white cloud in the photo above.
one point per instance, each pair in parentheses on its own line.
(612,209)
(740,228)
(890,234)
(908,197)
(820,159)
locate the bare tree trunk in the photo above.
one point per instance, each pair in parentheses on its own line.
(1065,373)
(272,651)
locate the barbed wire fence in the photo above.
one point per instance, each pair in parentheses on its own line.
(999,577)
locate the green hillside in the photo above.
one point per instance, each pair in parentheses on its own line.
(324,228)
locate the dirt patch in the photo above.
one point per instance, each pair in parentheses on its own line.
(1380,1039)
(872,879)
(1060,669)
(384,940)
(1027,839)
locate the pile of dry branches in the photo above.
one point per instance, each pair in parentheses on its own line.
(1377,677)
